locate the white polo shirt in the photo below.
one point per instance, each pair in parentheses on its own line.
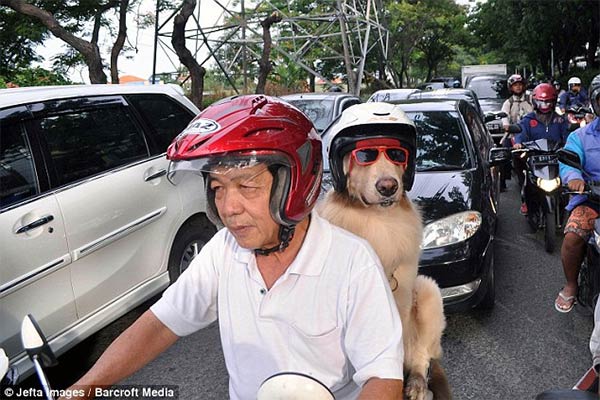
(331,315)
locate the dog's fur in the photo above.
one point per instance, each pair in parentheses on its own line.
(392,225)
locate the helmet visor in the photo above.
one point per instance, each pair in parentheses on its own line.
(224,163)
(544,106)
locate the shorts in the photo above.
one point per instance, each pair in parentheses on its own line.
(581,221)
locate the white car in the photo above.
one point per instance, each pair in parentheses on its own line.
(90,227)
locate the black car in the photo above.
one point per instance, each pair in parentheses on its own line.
(492,91)
(456,188)
(322,108)
(450,93)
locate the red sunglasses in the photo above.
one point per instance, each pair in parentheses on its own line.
(368,155)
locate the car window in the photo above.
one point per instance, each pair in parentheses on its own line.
(166,117)
(320,112)
(348,103)
(92,141)
(489,88)
(440,141)
(17,173)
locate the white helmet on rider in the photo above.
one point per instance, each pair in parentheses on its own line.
(367,126)
(573,81)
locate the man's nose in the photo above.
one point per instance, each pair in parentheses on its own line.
(231,203)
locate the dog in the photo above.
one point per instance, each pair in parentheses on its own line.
(375,207)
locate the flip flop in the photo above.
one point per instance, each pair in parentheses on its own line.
(566,299)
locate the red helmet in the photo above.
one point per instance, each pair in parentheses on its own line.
(544,98)
(246,130)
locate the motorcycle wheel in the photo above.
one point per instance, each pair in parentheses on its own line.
(589,285)
(550,233)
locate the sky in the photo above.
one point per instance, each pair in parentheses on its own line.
(140,63)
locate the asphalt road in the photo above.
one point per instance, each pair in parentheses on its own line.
(520,348)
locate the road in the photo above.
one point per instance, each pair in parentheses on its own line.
(517,350)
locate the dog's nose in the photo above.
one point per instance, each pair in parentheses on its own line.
(387,186)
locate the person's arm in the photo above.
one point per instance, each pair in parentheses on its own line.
(139,344)
(383,389)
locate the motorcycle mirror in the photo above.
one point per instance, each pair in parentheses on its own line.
(3,363)
(569,158)
(293,386)
(499,155)
(35,343)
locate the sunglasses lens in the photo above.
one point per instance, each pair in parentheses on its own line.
(366,155)
(396,155)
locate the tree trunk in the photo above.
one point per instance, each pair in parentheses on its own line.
(89,51)
(119,42)
(265,60)
(185,56)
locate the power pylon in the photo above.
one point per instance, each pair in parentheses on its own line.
(356,23)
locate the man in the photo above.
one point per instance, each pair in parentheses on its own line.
(586,143)
(515,107)
(291,291)
(574,96)
(542,123)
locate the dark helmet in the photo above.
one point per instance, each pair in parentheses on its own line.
(514,79)
(247,130)
(595,94)
(374,122)
(556,83)
(544,98)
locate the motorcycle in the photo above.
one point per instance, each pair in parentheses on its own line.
(542,189)
(281,386)
(589,273)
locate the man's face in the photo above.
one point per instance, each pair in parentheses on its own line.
(575,87)
(242,200)
(517,88)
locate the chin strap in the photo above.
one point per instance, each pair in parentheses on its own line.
(286,233)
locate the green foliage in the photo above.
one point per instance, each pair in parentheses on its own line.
(33,77)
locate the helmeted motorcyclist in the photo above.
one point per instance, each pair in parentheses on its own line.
(585,142)
(542,123)
(575,95)
(558,87)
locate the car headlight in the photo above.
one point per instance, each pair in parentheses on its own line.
(453,229)
(548,185)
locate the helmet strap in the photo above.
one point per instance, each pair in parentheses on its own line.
(286,233)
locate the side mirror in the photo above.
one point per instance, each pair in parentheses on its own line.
(569,158)
(499,155)
(491,116)
(293,386)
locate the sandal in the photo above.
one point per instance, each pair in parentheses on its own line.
(569,300)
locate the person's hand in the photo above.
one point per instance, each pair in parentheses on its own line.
(576,185)
(517,146)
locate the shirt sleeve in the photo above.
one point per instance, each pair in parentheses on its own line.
(506,109)
(523,136)
(373,352)
(574,144)
(190,303)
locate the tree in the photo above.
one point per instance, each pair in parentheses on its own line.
(196,71)
(265,60)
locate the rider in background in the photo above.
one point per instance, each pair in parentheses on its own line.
(558,87)
(515,107)
(576,95)
(585,142)
(542,123)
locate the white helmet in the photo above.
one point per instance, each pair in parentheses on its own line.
(573,81)
(371,122)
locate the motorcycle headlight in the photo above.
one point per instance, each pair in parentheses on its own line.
(548,185)
(453,229)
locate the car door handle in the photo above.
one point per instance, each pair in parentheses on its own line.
(155,175)
(35,224)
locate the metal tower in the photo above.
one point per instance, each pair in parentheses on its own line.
(236,23)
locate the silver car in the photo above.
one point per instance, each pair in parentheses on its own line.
(90,227)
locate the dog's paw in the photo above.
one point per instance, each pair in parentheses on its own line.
(416,387)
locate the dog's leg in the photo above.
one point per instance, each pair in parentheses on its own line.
(428,323)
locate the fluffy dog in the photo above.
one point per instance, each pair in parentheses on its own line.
(375,207)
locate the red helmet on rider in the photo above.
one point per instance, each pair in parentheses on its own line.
(243,131)
(544,98)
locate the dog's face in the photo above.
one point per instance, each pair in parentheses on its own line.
(376,184)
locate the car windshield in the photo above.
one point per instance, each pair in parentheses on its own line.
(320,111)
(440,141)
(488,88)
